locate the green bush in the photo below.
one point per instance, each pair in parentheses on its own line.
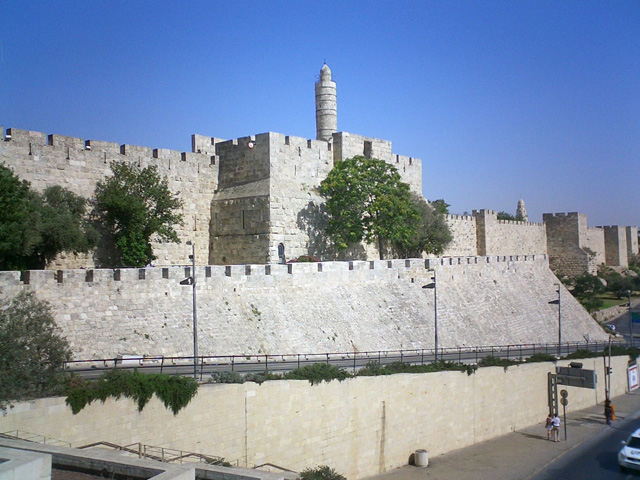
(226,377)
(582,354)
(317,373)
(373,369)
(491,361)
(320,473)
(541,357)
(174,391)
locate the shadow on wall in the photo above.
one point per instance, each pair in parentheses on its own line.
(313,221)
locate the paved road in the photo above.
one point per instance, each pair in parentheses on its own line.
(622,325)
(596,459)
(286,363)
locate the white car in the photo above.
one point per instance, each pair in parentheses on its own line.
(629,455)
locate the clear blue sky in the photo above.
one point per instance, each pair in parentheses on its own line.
(501,100)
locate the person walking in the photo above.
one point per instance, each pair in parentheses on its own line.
(548,425)
(556,427)
(608,411)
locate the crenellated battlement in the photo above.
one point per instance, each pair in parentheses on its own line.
(129,277)
(78,149)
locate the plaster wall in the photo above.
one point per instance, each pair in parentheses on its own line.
(360,427)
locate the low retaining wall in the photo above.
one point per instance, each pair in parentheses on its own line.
(360,427)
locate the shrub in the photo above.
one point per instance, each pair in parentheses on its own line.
(320,473)
(226,377)
(491,361)
(32,352)
(541,357)
(317,373)
(175,392)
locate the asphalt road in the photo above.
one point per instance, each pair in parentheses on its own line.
(286,363)
(596,459)
(622,325)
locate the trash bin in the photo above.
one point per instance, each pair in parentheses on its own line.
(421,458)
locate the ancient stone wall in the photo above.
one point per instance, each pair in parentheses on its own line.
(465,239)
(564,233)
(632,241)
(47,160)
(592,242)
(615,246)
(298,166)
(360,426)
(348,145)
(506,237)
(307,307)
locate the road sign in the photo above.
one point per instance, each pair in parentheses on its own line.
(635,317)
(576,377)
(632,377)
(564,394)
(564,401)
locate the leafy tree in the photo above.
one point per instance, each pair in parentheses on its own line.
(31,350)
(440,206)
(322,472)
(432,234)
(507,216)
(35,227)
(135,205)
(366,200)
(586,287)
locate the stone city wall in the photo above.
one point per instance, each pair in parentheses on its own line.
(47,160)
(565,232)
(361,426)
(465,237)
(615,246)
(632,241)
(507,237)
(307,307)
(592,241)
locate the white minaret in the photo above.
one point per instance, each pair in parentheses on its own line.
(521,211)
(326,105)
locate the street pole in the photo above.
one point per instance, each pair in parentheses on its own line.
(630,319)
(195,312)
(435,311)
(559,322)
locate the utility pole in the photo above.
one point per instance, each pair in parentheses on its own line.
(630,318)
(191,280)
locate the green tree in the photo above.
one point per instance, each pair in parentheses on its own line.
(586,287)
(440,206)
(366,200)
(32,352)
(432,234)
(507,216)
(35,227)
(136,205)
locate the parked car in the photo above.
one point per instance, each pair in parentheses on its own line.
(629,455)
(611,327)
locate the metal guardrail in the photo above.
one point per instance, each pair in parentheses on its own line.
(33,437)
(278,363)
(160,454)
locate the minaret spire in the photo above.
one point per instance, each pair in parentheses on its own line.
(326,105)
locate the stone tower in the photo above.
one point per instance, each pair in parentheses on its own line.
(521,211)
(326,105)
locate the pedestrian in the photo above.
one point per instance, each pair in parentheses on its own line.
(548,425)
(608,411)
(556,427)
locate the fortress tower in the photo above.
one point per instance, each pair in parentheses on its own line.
(326,105)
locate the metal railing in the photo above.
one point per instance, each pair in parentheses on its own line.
(33,437)
(160,454)
(278,363)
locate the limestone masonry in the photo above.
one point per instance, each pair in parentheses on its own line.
(252,203)
(255,199)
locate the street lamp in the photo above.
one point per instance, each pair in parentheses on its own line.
(558,302)
(191,280)
(433,285)
(630,319)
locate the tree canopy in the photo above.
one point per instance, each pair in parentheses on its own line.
(507,216)
(432,234)
(35,227)
(136,204)
(367,201)
(440,206)
(32,352)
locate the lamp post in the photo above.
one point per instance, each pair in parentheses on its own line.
(434,285)
(191,280)
(630,318)
(558,302)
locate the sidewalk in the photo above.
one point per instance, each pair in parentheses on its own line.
(518,455)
